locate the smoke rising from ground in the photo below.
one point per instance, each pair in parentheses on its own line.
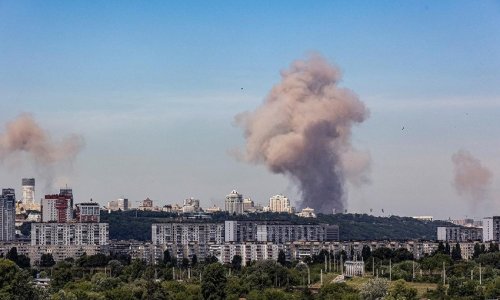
(24,136)
(472,180)
(303,130)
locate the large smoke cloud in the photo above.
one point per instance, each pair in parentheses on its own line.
(24,135)
(472,180)
(303,130)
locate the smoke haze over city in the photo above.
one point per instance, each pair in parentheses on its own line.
(137,100)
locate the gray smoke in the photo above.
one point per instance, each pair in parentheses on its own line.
(472,180)
(24,135)
(303,130)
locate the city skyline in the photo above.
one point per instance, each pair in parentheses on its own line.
(154,89)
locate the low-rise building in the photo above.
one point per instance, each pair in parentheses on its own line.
(88,212)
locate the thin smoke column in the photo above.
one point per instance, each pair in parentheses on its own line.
(24,135)
(303,130)
(472,180)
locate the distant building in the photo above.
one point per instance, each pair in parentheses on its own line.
(354,268)
(463,222)
(191,205)
(68,194)
(88,212)
(146,204)
(248,205)
(307,213)
(28,190)
(57,208)
(120,204)
(491,229)
(69,234)
(280,204)
(424,218)
(213,209)
(459,234)
(184,233)
(7,215)
(278,232)
(234,203)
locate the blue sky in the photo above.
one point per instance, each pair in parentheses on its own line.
(153,88)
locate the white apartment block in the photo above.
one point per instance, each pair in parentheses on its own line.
(68,234)
(234,203)
(491,229)
(185,233)
(278,232)
(280,203)
(249,252)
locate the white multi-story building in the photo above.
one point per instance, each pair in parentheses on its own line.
(234,203)
(280,203)
(249,252)
(68,234)
(118,204)
(491,229)
(7,215)
(278,232)
(185,233)
(191,205)
(307,213)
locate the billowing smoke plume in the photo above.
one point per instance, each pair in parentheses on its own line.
(24,135)
(303,130)
(472,180)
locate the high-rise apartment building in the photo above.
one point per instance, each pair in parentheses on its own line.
(491,229)
(28,189)
(7,215)
(68,193)
(234,203)
(56,208)
(280,203)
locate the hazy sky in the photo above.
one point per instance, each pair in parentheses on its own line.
(154,86)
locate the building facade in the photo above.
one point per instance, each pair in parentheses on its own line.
(56,208)
(185,233)
(459,234)
(120,204)
(7,215)
(491,229)
(88,212)
(69,234)
(278,232)
(28,189)
(280,204)
(234,203)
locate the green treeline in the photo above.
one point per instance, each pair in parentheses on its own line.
(137,224)
(444,275)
